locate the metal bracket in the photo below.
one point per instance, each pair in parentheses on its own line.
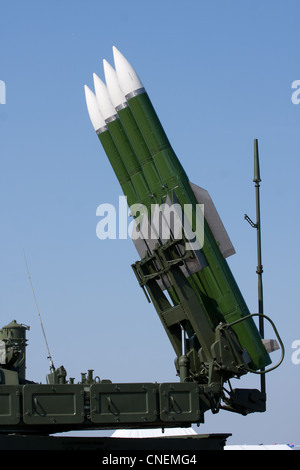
(250,221)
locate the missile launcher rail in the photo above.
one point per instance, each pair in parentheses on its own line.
(185,276)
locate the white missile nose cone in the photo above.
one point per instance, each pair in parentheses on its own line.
(115,93)
(93,109)
(105,105)
(127,77)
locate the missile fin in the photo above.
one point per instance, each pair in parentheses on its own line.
(271,345)
(214,221)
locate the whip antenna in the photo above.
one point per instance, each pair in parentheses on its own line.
(52,368)
(259,269)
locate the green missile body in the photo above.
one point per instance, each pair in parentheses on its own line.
(215,283)
(109,146)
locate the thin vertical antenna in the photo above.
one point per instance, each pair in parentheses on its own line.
(52,368)
(259,269)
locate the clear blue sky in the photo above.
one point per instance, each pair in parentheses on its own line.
(219,75)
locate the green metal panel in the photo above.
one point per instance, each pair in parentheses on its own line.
(9,404)
(53,404)
(123,403)
(179,402)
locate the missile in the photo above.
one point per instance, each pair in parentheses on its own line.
(121,140)
(111,151)
(215,284)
